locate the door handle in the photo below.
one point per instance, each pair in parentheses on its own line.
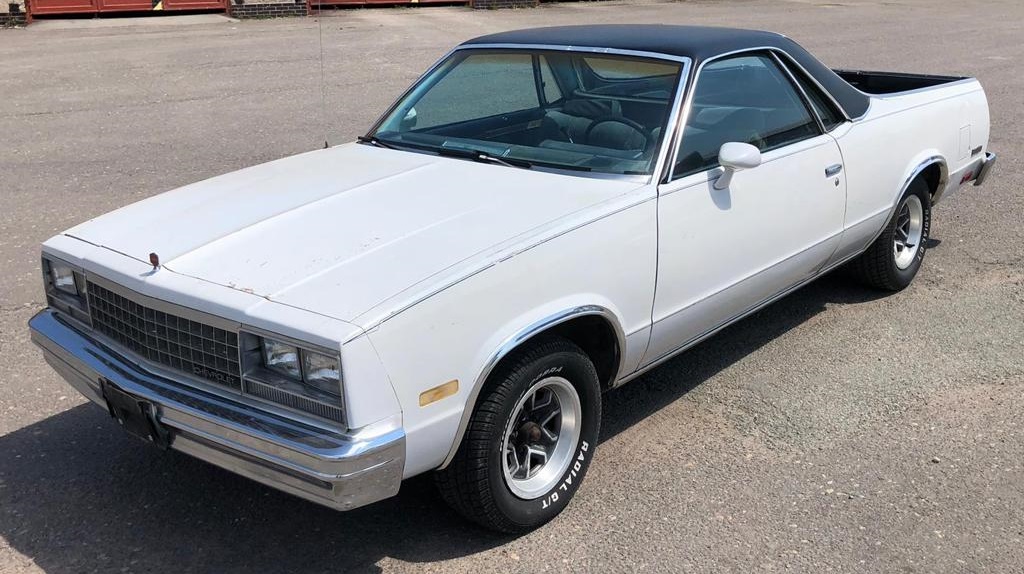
(833,170)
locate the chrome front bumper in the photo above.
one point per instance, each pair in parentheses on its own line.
(342,470)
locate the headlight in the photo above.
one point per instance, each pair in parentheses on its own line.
(63,279)
(65,288)
(292,375)
(322,371)
(282,357)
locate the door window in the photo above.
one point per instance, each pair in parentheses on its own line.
(744,99)
(826,110)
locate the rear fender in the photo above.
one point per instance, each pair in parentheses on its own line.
(915,168)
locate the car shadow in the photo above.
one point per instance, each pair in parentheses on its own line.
(77,494)
(649,393)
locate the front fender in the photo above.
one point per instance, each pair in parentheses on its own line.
(605,268)
(522,329)
(437,429)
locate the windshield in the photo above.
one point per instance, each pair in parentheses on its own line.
(566,110)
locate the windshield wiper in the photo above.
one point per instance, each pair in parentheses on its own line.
(477,155)
(374,140)
(568,166)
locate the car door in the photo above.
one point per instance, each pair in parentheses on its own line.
(723,252)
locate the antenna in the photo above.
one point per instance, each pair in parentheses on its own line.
(323,88)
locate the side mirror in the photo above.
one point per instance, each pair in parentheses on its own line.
(409,120)
(734,156)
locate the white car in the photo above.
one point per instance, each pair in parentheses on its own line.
(544,215)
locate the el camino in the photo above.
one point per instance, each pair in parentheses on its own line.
(545,215)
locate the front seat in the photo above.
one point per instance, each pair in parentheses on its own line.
(745,125)
(571,121)
(701,145)
(616,135)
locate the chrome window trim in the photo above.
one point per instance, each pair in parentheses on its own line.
(684,116)
(800,92)
(657,170)
(810,77)
(568,48)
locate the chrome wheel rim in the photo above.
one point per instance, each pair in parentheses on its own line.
(908,232)
(541,437)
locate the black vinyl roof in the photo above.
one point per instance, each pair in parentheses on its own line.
(698,43)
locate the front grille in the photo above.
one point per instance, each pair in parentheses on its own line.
(170,340)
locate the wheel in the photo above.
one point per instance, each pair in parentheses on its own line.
(892,261)
(530,440)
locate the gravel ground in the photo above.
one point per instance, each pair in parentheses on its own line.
(837,431)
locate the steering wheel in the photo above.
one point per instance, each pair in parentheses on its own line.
(619,120)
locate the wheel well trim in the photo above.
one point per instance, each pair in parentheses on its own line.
(920,168)
(523,335)
(913,175)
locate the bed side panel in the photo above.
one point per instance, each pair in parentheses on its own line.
(948,124)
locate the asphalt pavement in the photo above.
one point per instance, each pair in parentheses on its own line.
(838,430)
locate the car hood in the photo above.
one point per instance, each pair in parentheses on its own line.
(342,230)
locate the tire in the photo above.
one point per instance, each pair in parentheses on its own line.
(884,265)
(485,482)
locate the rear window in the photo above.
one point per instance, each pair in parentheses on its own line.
(619,69)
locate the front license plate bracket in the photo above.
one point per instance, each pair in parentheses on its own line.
(136,416)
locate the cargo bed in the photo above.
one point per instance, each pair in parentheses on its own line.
(882,83)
